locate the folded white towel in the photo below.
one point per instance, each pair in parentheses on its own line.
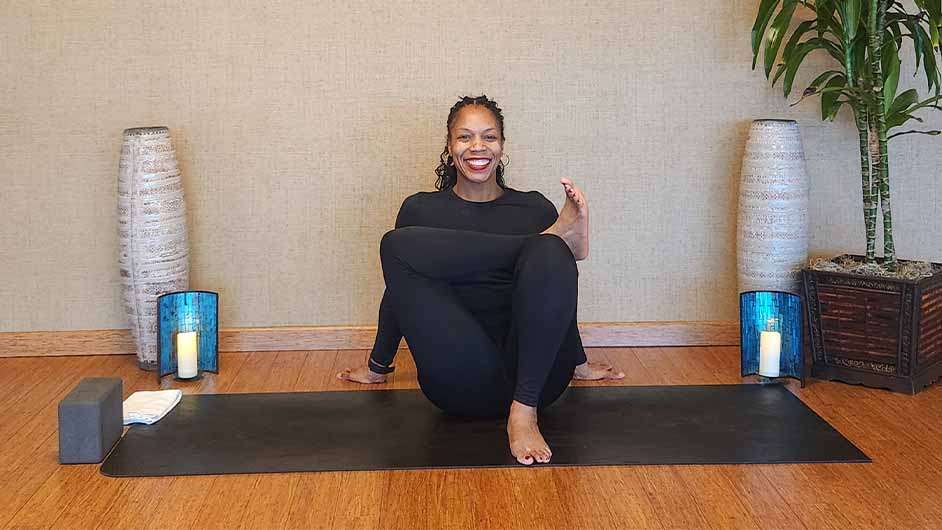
(149,406)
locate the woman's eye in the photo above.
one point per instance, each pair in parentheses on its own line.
(491,138)
(464,137)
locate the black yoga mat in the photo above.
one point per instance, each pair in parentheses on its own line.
(401,429)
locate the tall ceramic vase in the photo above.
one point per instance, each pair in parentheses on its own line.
(154,253)
(773,209)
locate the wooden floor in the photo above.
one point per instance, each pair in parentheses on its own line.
(902,488)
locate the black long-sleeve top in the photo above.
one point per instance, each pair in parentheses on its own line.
(514,212)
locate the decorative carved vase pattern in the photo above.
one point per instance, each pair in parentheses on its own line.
(772,231)
(154,252)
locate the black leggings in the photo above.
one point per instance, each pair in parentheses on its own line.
(460,369)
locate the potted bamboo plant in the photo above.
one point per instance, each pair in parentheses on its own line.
(873,320)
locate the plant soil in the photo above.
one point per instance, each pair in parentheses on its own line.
(907,270)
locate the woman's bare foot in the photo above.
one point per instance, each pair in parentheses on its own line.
(361,374)
(526,443)
(589,371)
(573,222)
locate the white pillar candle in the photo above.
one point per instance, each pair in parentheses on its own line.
(186,355)
(770,353)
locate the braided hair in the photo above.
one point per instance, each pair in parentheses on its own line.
(446,170)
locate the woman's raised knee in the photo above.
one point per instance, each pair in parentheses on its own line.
(393,239)
(547,252)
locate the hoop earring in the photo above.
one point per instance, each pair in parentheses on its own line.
(502,159)
(449,161)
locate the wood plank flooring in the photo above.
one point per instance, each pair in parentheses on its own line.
(900,489)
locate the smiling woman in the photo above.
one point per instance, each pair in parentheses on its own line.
(474,145)
(481,280)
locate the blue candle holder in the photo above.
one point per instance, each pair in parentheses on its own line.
(770,321)
(188,334)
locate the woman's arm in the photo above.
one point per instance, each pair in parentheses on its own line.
(388,335)
(387,340)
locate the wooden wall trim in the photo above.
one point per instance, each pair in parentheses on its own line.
(594,335)
(660,333)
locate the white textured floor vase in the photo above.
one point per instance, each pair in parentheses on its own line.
(154,253)
(772,233)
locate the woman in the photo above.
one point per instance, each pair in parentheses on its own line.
(481,279)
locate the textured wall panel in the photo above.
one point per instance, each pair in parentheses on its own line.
(301,126)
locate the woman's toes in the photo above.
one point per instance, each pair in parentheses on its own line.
(525,459)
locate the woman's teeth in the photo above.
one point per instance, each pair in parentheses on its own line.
(479,163)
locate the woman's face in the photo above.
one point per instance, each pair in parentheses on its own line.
(476,144)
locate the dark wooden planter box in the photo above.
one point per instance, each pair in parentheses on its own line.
(875,331)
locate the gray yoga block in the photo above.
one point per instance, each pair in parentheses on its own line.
(90,420)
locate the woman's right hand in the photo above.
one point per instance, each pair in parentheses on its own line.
(361,374)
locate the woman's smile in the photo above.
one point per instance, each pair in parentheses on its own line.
(478,163)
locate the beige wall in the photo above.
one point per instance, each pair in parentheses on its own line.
(300,127)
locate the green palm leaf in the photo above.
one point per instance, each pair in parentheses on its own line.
(890,64)
(834,50)
(933,10)
(796,58)
(897,120)
(918,45)
(773,37)
(850,16)
(902,102)
(830,102)
(827,22)
(766,8)
(929,62)
(792,43)
(904,107)
(825,76)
